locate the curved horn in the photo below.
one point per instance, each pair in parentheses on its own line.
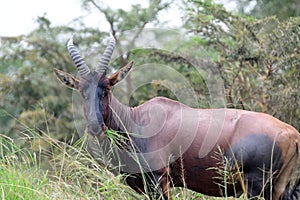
(103,63)
(83,69)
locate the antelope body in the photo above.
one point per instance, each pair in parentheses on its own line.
(168,144)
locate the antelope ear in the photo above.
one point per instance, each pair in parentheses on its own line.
(67,79)
(120,74)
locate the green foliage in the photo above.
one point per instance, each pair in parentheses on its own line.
(21,183)
(264,8)
(20,179)
(258,59)
(137,17)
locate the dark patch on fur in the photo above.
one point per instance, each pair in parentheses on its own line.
(260,159)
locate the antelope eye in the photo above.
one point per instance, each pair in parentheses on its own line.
(104,92)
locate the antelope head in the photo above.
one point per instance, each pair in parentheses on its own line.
(94,86)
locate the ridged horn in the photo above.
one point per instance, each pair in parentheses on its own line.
(103,63)
(83,69)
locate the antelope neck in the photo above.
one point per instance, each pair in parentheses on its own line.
(119,116)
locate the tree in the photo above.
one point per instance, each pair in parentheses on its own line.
(264,8)
(258,58)
(121,21)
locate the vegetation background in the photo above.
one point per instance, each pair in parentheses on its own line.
(256,51)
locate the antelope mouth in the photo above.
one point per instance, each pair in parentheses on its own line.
(96,133)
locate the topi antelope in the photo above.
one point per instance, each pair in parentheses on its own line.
(168,144)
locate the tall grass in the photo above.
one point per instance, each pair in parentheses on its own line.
(55,170)
(20,175)
(50,169)
(47,168)
(61,171)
